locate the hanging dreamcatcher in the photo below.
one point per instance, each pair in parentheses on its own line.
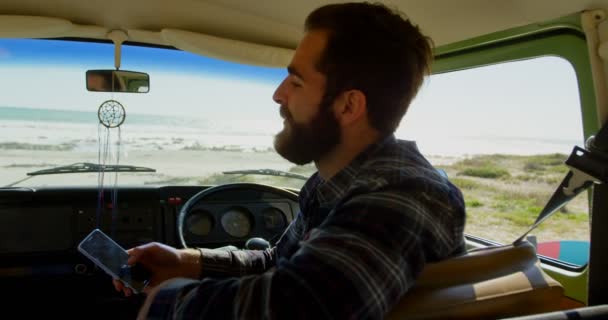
(111,114)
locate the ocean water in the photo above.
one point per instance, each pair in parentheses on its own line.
(67,130)
(29,128)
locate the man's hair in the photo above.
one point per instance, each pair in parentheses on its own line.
(375,50)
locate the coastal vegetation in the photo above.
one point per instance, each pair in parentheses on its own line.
(505,193)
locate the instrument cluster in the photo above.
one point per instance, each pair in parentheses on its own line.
(218,221)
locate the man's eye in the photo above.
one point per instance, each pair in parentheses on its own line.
(296,84)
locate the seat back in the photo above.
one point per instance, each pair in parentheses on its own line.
(582,313)
(485,283)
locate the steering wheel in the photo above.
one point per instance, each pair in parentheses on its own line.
(203,195)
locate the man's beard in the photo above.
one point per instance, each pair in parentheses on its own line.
(302,143)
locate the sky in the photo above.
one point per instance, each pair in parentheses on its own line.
(527,98)
(535,98)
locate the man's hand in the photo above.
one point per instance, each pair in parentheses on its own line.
(163,262)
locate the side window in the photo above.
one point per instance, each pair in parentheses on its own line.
(502,133)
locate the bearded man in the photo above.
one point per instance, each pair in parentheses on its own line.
(372,216)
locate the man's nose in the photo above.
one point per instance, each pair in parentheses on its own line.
(279,94)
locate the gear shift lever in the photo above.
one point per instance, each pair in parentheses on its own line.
(257,244)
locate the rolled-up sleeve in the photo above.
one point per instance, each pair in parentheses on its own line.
(222,263)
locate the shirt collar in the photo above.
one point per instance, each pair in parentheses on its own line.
(330,191)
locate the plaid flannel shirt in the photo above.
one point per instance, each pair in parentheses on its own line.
(355,248)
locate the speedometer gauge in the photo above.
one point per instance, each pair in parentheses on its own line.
(273,218)
(200,223)
(236,222)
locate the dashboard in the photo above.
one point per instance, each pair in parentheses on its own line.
(41,228)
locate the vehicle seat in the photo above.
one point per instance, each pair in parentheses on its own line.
(589,312)
(486,283)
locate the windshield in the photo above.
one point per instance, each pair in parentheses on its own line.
(201,117)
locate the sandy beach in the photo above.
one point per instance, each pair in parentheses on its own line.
(177,166)
(15,164)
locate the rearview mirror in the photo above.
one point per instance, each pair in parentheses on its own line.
(117,81)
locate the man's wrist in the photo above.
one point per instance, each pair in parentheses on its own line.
(192,262)
(201,257)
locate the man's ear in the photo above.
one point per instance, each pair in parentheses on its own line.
(351,107)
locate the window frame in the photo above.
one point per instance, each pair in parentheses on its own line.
(562,38)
